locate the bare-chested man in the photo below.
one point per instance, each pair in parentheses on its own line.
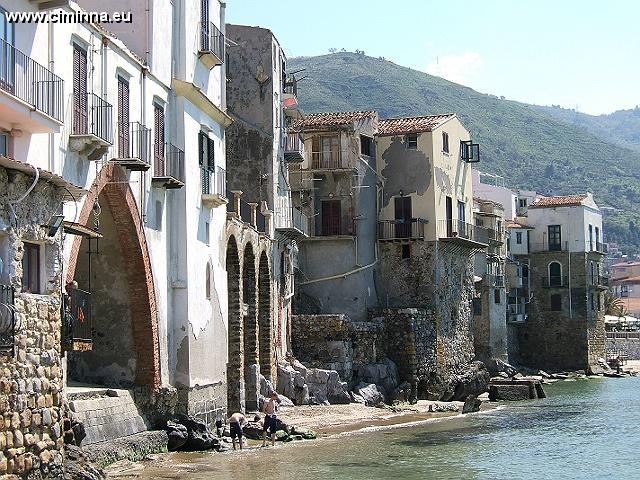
(236,422)
(270,419)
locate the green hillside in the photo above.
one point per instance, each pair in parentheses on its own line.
(526,145)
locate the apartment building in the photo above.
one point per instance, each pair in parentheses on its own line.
(335,186)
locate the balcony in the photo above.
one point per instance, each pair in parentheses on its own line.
(211,51)
(332,160)
(495,281)
(168,166)
(495,236)
(555,281)
(32,96)
(601,248)
(91,126)
(294,148)
(134,147)
(546,247)
(600,281)
(290,97)
(463,234)
(7,320)
(401,230)
(516,313)
(214,186)
(291,223)
(77,321)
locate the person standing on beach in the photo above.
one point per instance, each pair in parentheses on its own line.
(236,422)
(270,419)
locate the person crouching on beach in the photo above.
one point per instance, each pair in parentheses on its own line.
(270,419)
(236,422)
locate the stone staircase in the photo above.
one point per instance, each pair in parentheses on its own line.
(107,414)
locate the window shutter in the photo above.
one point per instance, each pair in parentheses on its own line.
(123,118)
(158,147)
(79,90)
(201,143)
(211,155)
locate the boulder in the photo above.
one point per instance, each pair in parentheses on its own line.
(356,398)
(496,366)
(304,385)
(77,465)
(402,393)
(513,392)
(253,430)
(284,401)
(473,380)
(337,391)
(596,370)
(178,435)
(266,387)
(303,432)
(370,393)
(200,436)
(383,374)
(471,404)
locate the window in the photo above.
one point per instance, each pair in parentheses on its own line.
(522,202)
(598,236)
(590,237)
(8,57)
(555,274)
(402,207)
(445,142)
(366,144)
(496,296)
(519,238)
(158,144)
(206,160)
(556,303)
(592,302)
(325,151)
(461,212)
(406,250)
(31,268)
(123,118)
(4,144)
(555,238)
(593,273)
(411,141)
(80,91)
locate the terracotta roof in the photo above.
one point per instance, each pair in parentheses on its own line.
(318,121)
(559,201)
(401,126)
(512,224)
(619,281)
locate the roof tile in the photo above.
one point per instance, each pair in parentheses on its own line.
(401,126)
(318,121)
(559,201)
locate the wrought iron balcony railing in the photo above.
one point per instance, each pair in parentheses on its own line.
(214,182)
(455,229)
(134,146)
(30,82)
(92,115)
(331,160)
(212,43)
(400,229)
(168,165)
(294,147)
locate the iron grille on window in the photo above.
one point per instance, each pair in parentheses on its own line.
(77,322)
(7,319)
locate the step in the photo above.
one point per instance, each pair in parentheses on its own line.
(107,415)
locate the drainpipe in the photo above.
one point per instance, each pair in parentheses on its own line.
(51,135)
(143,116)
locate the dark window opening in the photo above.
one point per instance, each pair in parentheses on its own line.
(519,238)
(477,306)
(556,303)
(406,250)
(4,144)
(31,268)
(555,274)
(496,296)
(331,216)
(445,142)
(366,144)
(411,141)
(555,238)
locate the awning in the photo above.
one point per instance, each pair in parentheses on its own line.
(78,229)
(72,192)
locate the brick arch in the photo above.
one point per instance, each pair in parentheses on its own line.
(112,182)
(250,326)
(265,317)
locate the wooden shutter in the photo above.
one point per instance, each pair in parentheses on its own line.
(211,155)
(204,28)
(158,146)
(331,217)
(79,90)
(123,118)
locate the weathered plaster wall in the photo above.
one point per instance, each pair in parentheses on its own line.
(31,399)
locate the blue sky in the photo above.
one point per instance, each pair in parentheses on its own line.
(573,53)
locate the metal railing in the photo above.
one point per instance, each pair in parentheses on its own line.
(92,116)
(214,182)
(555,281)
(292,218)
(27,80)
(463,230)
(601,247)
(212,40)
(77,321)
(398,229)
(294,146)
(334,228)
(601,280)
(494,280)
(168,161)
(134,141)
(495,235)
(620,335)
(291,85)
(330,159)
(7,319)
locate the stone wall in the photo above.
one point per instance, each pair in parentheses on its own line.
(31,396)
(630,346)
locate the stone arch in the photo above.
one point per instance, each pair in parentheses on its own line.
(235,343)
(265,318)
(112,185)
(250,327)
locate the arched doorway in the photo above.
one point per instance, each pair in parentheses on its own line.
(125,349)
(265,322)
(250,328)
(235,343)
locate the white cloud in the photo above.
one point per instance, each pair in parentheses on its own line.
(460,68)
